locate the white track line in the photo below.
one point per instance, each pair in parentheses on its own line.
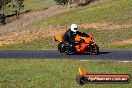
(124,61)
(105,60)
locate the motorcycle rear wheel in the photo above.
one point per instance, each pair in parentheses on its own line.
(60,47)
(68,50)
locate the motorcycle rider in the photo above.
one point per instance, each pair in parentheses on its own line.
(70,35)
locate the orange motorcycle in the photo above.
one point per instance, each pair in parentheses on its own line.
(87,45)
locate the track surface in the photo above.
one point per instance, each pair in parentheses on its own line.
(118,55)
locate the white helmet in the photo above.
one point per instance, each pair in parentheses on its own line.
(74,27)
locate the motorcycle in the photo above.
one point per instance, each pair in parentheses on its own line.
(85,45)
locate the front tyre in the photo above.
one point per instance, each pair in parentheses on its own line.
(95,49)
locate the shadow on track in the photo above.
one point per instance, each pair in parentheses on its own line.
(104,52)
(100,53)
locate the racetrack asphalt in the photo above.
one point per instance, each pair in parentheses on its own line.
(105,55)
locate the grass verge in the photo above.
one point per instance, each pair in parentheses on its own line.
(38,4)
(37,44)
(111,11)
(56,73)
(104,38)
(113,46)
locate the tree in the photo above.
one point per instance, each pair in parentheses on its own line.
(2,10)
(15,5)
(18,6)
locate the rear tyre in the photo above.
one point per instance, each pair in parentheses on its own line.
(60,47)
(69,50)
(65,49)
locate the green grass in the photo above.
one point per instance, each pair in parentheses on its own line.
(56,73)
(38,4)
(113,46)
(37,44)
(117,11)
(103,38)
(32,5)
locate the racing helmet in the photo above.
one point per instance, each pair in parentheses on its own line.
(74,27)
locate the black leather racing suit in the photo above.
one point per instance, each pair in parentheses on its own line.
(69,37)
